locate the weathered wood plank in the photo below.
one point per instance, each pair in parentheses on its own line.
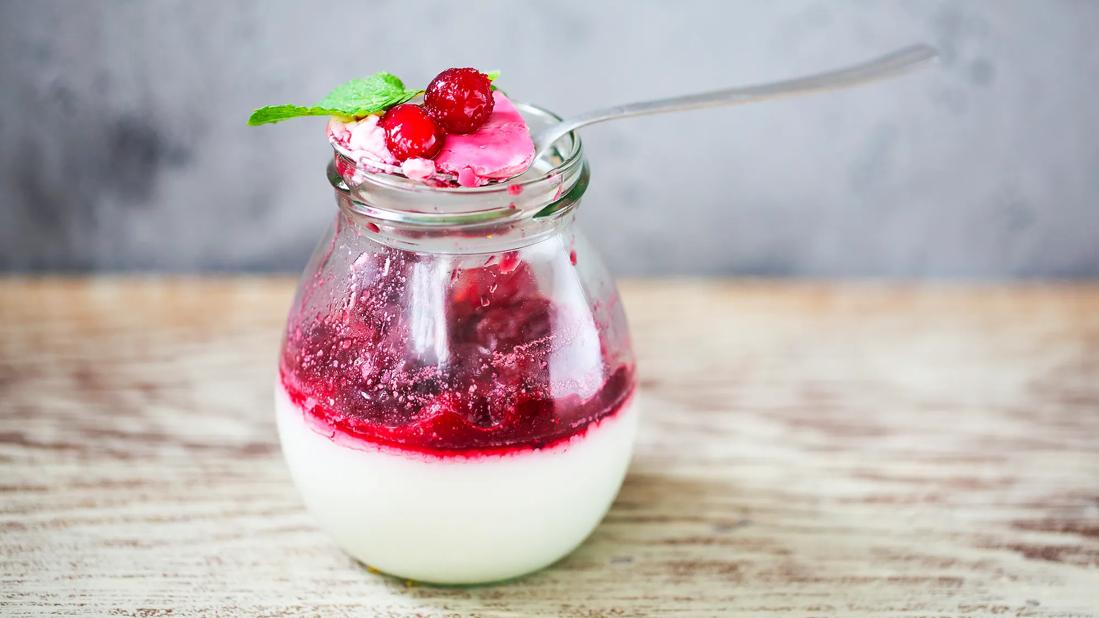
(854,449)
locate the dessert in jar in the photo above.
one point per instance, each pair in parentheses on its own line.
(455,395)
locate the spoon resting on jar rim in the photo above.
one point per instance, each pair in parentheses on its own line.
(467,133)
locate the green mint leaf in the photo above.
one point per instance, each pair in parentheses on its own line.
(360,97)
(353,99)
(492,75)
(278,113)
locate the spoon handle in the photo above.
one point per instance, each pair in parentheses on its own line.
(889,65)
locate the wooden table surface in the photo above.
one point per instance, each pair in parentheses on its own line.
(807,449)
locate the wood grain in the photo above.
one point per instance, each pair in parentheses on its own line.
(807,449)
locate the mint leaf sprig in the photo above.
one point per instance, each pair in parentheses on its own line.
(354,99)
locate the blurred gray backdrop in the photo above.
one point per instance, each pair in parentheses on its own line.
(123,144)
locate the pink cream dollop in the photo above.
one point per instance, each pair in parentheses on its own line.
(500,149)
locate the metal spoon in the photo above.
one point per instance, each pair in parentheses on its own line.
(889,65)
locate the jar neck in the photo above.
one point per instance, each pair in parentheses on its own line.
(493,236)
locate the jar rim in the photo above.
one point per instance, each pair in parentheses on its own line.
(553,184)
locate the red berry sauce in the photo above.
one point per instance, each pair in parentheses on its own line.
(489,393)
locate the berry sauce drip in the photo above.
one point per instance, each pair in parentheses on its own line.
(490,391)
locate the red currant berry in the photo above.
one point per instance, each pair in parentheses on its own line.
(460,100)
(410,132)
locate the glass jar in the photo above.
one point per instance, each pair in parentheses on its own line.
(455,391)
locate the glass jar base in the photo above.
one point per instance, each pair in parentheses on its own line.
(457,520)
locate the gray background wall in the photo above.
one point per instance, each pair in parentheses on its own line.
(123,144)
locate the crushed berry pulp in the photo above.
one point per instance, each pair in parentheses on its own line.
(490,383)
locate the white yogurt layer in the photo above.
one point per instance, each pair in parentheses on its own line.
(455,520)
